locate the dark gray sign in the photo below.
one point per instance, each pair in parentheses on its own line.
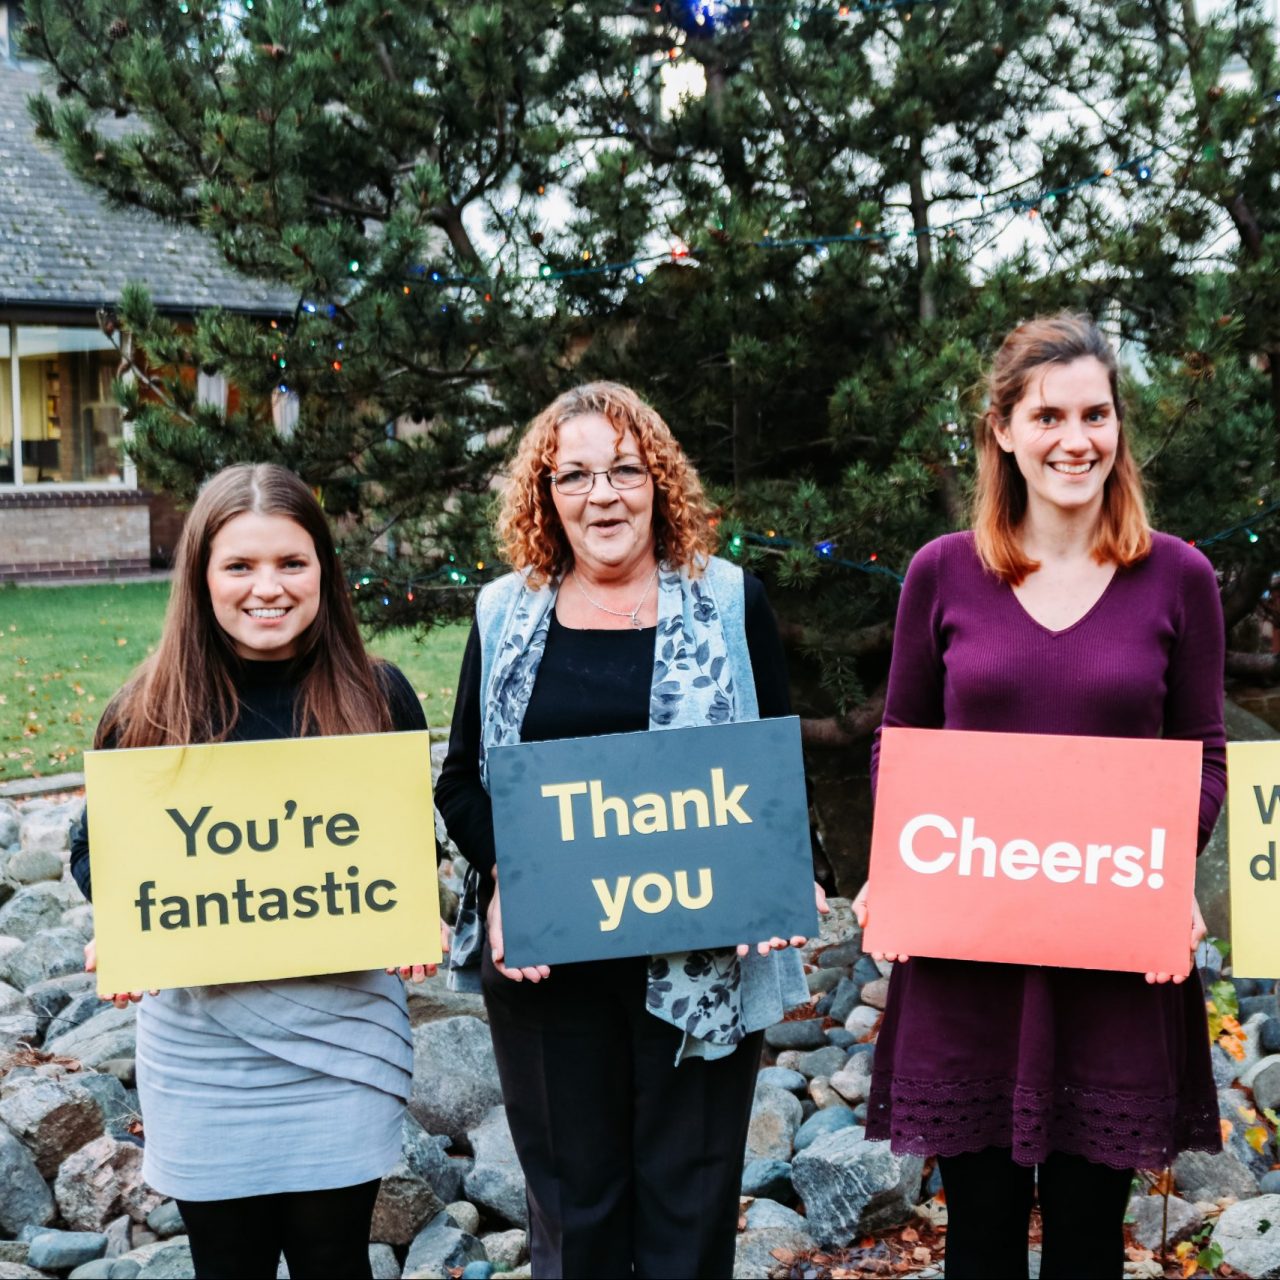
(637,844)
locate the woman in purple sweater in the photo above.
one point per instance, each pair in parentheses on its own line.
(1061,612)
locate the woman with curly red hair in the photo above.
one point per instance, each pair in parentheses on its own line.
(629,1113)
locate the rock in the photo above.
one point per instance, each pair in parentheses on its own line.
(49,998)
(24,1197)
(30,866)
(464,1215)
(755,1248)
(770,1179)
(109,1034)
(439,1246)
(788,1060)
(10,824)
(166,1220)
(853,1081)
(52,1120)
(781,1078)
(1201,1175)
(1250,1005)
(50,954)
(455,1080)
(775,1117)
(821,981)
(33,909)
(16,1271)
(1269,1036)
(1269,1183)
(844,955)
(862,1021)
(171,1261)
(407,1199)
(18,1020)
(851,1186)
(101,1181)
(14,1251)
(822,1062)
(98,1269)
(496,1183)
(80,920)
(823,1095)
(1225,1068)
(844,999)
(876,994)
(1147,1212)
(506,1249)
(118,1236)
(62,1250)
(46,830)
(383,1263)
(431,1001)
(124,1269)
(1248,1232)
(124,1069)
(769,1213)
(119,1105)
(841,1038)
(804,1033)
(1252,1027)
(1266,1084)
(477,1271)
(820,1124)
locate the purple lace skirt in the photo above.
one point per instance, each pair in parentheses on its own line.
(1089,1062)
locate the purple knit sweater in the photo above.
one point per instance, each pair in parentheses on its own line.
(1091,1062)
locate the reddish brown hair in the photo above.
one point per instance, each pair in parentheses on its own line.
(185,692)
(1000,500)
(528,526)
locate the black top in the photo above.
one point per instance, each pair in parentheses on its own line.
(588,683)
(268,694)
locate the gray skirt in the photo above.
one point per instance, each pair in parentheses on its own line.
(263,1087)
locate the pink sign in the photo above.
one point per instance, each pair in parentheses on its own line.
(1035,849)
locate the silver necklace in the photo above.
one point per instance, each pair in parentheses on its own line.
(632,615)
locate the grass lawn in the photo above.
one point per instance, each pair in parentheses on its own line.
(65,650)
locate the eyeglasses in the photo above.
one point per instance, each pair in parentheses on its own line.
(576,480)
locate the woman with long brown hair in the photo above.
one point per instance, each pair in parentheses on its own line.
(1061,612)
(272,1109)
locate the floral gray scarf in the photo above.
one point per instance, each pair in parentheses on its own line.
(699,992)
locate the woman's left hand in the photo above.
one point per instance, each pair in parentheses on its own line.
(419,972)
(1198,933)
(777,944)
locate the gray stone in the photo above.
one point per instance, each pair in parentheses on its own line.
(1266,1085)
(18,1271)
(101,1181)
(862,1021)
(781,1078)
(506,1249)
(853,1081)
(50,954)
(788,1060)
(52,996)
(1269,1036)
(62,1250)
(51,1119)
(769,1213)
(98,1269)
(166,1220)
(124,1069)
(876,994)
(119,1105)
(431,1001)
(804,1033)
(821,1123)
(79,919)
(821,981)
(477,1271)
(1265,1005)
(1203,1176)
(10,825)
(14,1251)
(455,1080)
(46,830)
(844,999)
(851,1186)
(1248,1232)
(775,1117)
(770,1179)
(33,909)
(383,1263)
(755,1249)
(438,1247)
(1269,1183)
(124,1269)
(407,1200)
(1147,1213)
(822,1062)
(24,1197)
(496,1183)
(823,1095)
(171,1261)
(464,1215)
(118,1233)
(843,955)
(18,1020)
(30,866)
(109,1034)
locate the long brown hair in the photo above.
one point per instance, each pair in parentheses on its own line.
(528,526)
(186,693)
(1123,535)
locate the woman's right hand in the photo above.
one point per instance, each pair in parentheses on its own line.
(860,915)
(121,998)
(533,973)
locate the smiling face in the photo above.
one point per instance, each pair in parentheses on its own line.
(264,584)
(610,531)
(1063,433)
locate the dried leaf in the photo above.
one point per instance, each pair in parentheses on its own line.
(909,1235)
(1227,1128)
(1257,1137)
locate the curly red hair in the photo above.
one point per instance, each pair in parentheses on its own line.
(532,538)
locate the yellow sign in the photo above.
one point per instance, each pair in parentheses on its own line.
(248,860)
(1253,813)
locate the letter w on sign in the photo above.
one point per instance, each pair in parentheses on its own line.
(1035,849)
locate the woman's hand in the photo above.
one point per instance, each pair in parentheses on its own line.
(532,973)
(777,944)
(121,998)
(860,915)
(1198,933)
(419,972)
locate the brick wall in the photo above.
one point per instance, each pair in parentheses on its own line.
(73,534)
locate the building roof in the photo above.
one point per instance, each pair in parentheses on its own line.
(63,247)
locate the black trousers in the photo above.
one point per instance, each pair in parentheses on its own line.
(633,1165)
(1082,1207)
(320,1233)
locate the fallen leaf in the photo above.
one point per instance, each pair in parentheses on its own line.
(122,640)
(909,1235)
(1257,1137)
(1227,1128)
